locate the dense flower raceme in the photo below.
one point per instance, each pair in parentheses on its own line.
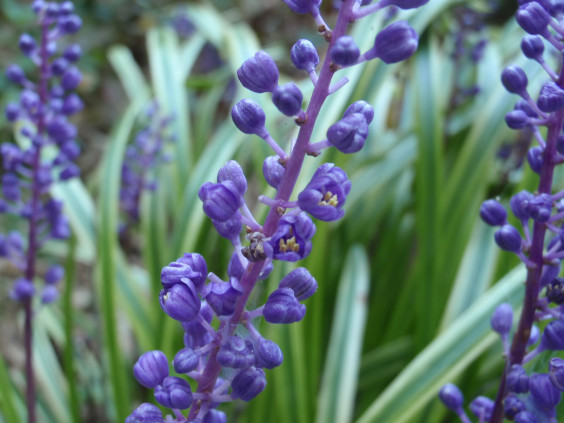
(47,100)
(538,242)
(223,351)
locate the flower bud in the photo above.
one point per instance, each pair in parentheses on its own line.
(553,336)
(73,53)
(516,119)
(199,268)
(482,408)
(231,228)
(11,187)
(174,273)
(72,104)
(512,406)
(180,302)
(249,117)
(282,306)
(517,380)
(70,24)
(532,46)
(525,417)
(344,52)
(174,393)
(555,291)
(27,44)
(361,107)
(54,274)
(508,238)
(259,73)
(185,360)
(451,397)
(526,107)
(493,213)
(268,354)
(514,79)
(71,78)
(518,203)
(303,6)
(396,42)
(222,297)
(232,171)
(221,200)
(273,171)
(502,319)
(215,416)
(236,353)
(248,383)
(539,207)
(535,158)
(292,239)
(301,282)
(556,372)
(551,97)
(544,394)
(145,413)
(151,368)
(288,99)
(15,74)
(49,294)
(304,55)
(349,134)
(532,17)
(22,290)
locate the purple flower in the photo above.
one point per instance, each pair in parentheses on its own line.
(555,291)
(512,406)
(236,353)
(514,80)
(259,73)
(508,238)
(502,319)
(345,52)
(349,134)
(221,200)
(222,297)
(249,117)
(493,213)
(301,282)
(517,379)
(544,394)
(532,47)
(288,99)
(233,172)
(145,413)
(396,42)
(174,393)
(151,368)
(282,306)
(248,383)
(292,239)
(532,17)
(551,97)
(273,171)
(451,397)
(304,55)
(268,354)
(180,301)
(482,408)
(185,360)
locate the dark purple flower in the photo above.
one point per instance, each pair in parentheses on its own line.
(22,290)
(282,306)
(304,55)
(73,53)
(553,336)
(259,73)
(185,360)
(516,119)
(231,228)
(325,195)
(301,282)
(532,46)
(348,134)
(174,393)
(303,6)
(180,302)
(215,416)
(451,397)
(512,406)
(236,353)
(514,80)
(268,354)
(508,238)
(532,17)
(273,171)
(27,44)
(518,203)
(288,99)
(535,158)
(493,213)
(517,379)
(544,394)
(71,78)
(151,368)
(232,171)
(482,408)
(396,42)
(249,117)
(539,207)
(344,52)
(222,297)
(145,413)
(361,107)
(70,24)
(221,200)
(502,319)
(175,272)
(556,372)
(72,104)
(292,239)
(16,74)
(54,274)
(551,97)
(555,291)
(199,268)
(248,383)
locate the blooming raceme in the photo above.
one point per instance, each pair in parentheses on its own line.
(223,351)
(524,397)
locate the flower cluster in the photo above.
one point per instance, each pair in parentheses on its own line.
(539,244)
(223,350)
(141,158)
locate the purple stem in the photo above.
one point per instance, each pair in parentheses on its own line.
(285,189)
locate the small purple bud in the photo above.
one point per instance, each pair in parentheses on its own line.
(27,44)
(73,53)
(344,52)
(249,117)
(259,73)
(52,10)
(71,78)
(69,172)
(199,268)
(553,336)
(508,238)
(22,290)
(222,297)
(502,319)
(145,413)
(67,8)
(555,291)
(303,6)
(532,46)
(72,104)
(12,112)
(514,79)
(517,119)
(301,282)
(482,408)
(49,294)
(232,171)
(248,383)
(518,203)
(180,302)
(396,42)
(556,372)
(54,274)
(70,24)
(11,187)
(493,213)
(304,55)
(236,353)
(11,156)
(532,17)
(551,97)
(349,134)
(268,354)
(282,306)
(512,406)
(539,207)
(221,200)
(361,107)
(287,98)
(451,397)
(151,368)
(517,379)
(525,417)
(174,393)
(15,74)
(215,416)
(544,394)
(59,66)
(231,228)
(273,171)
(526,107)
(185,361)
(175,272)
(60,129)
(535,158)
(235,268)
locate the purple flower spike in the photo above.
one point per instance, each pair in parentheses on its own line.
(151,368)
(215,416)
(482,408)
(532,17)
(236,353)
(326,193)
(493,213)
(451,397)
(553,336)
(345,52)
(508,238)
(556,372)
(514,80)
(233,172)
(248,383)
(396,42)
(174,393)
(292,239)
(517,379)
(259,73)
(551,97)
(249,118)
(185,360)
(502,319)
(180,302)
(301,282)
(221,200)
(288,99)
(532,47)
(273,171)
(544,394)
(282,306)
(525,417)
(145,413)
(304,55)
(303,6)
(512,406)
(349,134)
(361,107)
(268,354)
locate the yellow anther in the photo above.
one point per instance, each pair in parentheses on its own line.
(329,199)
(290,244)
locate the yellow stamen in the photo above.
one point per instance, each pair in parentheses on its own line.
(289,244)
(329,199)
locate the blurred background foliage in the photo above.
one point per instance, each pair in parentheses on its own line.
(407,281)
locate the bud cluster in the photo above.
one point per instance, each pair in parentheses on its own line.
(223,350)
